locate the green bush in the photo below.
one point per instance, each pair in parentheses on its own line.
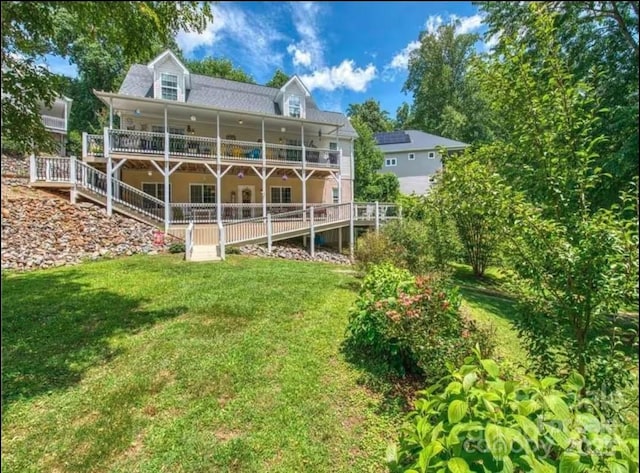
(374,248)
(474,420)
(410,325)
(177,248)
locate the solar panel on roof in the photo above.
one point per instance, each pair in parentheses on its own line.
(392,138)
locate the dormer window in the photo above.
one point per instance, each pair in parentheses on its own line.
(169,86)
(294,106)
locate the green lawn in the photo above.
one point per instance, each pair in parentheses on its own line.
(153,364)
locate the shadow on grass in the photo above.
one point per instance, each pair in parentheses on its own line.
(501,305)
(55,327)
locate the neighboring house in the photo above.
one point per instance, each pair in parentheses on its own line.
(414,157)
(56,121)
(221,141)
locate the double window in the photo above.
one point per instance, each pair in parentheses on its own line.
(202,193)
(388,162)
(169,83)
(281,195)
(295,106)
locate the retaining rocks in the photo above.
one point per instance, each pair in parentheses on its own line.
(295,253)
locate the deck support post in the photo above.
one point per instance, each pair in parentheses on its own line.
(340,240)
(377,217)
(312,236)
(85,143)
(72,179)
(167,205)
(33,170)
(217,175)
(107,152)
(221,240)
(351,231)
(269,233)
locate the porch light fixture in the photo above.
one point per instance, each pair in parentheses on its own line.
(190,130)
(240,175)
(149,173)
(283,130)
(137,112)
(240,122)
(285,177)
(193,118)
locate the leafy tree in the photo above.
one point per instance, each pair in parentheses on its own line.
(476,199)
(370,113)
(599,45)
(369,184)
(404,117)
(31,30)
(446,99)
(571,261)
(222,68)
(278,80)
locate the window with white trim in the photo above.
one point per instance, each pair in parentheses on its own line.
(155,189)
(280,195)
(295,106)
(388,162)
(412,156)
(335,195)
(202,193)
(169,85)
(431,155)
(172,130)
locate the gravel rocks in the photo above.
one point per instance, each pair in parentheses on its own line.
(13,166)
(42,230)
(295,253)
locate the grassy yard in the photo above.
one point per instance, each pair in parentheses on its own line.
(153,364)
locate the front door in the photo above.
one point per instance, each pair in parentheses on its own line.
(247,196)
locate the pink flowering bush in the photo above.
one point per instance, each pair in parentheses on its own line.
(410,324)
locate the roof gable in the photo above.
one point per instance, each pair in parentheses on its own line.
(168,54)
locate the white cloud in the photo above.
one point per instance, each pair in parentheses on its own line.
(401,60)
(491,42)
(468,24)
(308,51)
(344,76)
(302,58)
(253,36)
(433,23)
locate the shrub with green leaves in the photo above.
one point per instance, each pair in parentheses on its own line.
(374,248)
(177,248)
(477,421)
(410,324)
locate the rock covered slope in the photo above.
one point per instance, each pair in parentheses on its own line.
(41,229)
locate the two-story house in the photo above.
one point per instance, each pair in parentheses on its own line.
(56,121)
(194,141)
(414,156)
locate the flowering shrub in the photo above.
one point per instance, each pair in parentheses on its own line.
(475,420)
(410,324)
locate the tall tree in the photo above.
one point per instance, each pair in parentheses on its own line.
(370,113)
(575,264)
(30,30)
(446,100)
(600,38)
(404,117)
(222,68)
(278,80)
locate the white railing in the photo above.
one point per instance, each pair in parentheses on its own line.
(185,212)
(51,169)
(94,145)
(54,122)
(188,245)
(200,147)
(123,194)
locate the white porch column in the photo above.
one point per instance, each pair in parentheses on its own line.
(167,207)
(269,233)
(304,171)
(377,217)
(85,144)
(111,114)
(312,236)
(351,230)
(33,170)
(218,176)
(264,173)
(107,152)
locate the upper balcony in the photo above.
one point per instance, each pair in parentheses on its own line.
(56,124)
(145,145)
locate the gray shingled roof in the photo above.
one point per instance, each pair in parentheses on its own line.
(227,94)
(419,140)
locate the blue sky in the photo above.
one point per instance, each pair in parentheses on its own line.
(345,52)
